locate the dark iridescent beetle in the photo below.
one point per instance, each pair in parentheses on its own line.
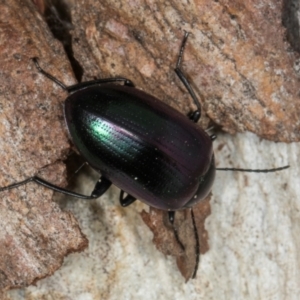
(143,146)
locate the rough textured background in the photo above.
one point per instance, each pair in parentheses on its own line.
(238,57)
(253,230)
(246,74)
(184,249)
(35,234)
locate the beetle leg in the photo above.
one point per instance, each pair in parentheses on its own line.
(171,216)
(79,86)
(194,116)
(197,244)
(35,60)
(100,188)
(127,200)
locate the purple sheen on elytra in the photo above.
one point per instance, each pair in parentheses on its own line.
(140,144)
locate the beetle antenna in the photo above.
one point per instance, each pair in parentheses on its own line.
(254,170)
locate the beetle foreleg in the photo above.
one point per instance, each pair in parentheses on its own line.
(35,60)
(195,115)
(81,85)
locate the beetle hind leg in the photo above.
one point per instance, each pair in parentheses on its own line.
(171,216)
(197,244)
(125,201)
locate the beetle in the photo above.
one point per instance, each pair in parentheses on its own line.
(148,149)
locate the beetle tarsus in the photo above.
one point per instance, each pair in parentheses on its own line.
(180,55)
(17,184)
